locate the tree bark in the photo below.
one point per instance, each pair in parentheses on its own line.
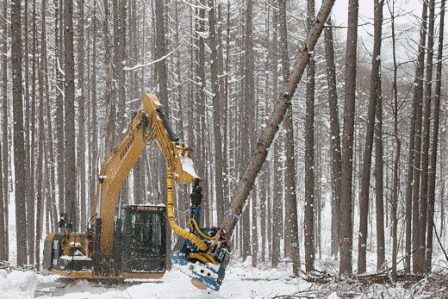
(110,88)
(19,139)
(277,195)
(160,51)
(4,239)
(418,263)
(426,120)
(309,154)
(396,179)
(58,31)
(335,139)
(93,124)
(345,266)
(216,112)
(435,140)
(70,129)
(81,121)
(368,146)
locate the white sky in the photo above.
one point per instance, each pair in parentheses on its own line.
(340,9)
(407,14)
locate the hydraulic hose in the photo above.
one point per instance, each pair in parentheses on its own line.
(171,219)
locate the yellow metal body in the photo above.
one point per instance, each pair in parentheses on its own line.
(203,247)
(145,126)
(123,157)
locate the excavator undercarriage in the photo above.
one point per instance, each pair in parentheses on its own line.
(139,248)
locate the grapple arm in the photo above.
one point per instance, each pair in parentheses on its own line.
(202,254)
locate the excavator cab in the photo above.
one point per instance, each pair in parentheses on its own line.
(140,239)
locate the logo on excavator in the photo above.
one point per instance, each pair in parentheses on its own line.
(127,147)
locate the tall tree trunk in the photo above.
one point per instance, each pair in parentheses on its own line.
(248,116)
(200,102)
(335,139)
(309,154)
(379,196)
(277,173)
(410,211)
(19,139)
(418,101)
(290,178)
(93,125)
(81,122)
(40,167)
(345,266)
(4,239)
(367,159)
(30,96)
(396,179)
(70,136)
(426,119)
(59,104)
(216,112)
(435,140)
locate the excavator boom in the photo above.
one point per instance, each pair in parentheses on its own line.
(128,241)
(150,123)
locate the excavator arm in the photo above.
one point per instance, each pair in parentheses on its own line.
(150,123)
(204,252)
(129,242)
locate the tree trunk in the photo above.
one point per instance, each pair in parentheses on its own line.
(30,100)
(309,154)
(70,136)
(418,263)
(81,121)
(59,104)
(160,51)
(19,140)
(4,238)
(345,266)
(426,119)
(120,55)
(435,140)
(290,178)
(40,168)
(93,125)
(396,179)
(216,112)
(367,159)
(379,173)
(277,196)
(335,139)
(110,88)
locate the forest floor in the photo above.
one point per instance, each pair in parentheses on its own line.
(242,281)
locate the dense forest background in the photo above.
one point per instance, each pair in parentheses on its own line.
(356,169)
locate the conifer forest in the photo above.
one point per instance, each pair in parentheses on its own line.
(354,177)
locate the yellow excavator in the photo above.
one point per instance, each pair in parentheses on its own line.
(129,241)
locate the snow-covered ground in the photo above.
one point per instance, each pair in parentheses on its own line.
(241,281)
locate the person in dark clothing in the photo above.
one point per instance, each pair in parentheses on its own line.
(196,195)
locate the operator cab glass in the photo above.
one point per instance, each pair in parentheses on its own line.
(146,228)
(142,238)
